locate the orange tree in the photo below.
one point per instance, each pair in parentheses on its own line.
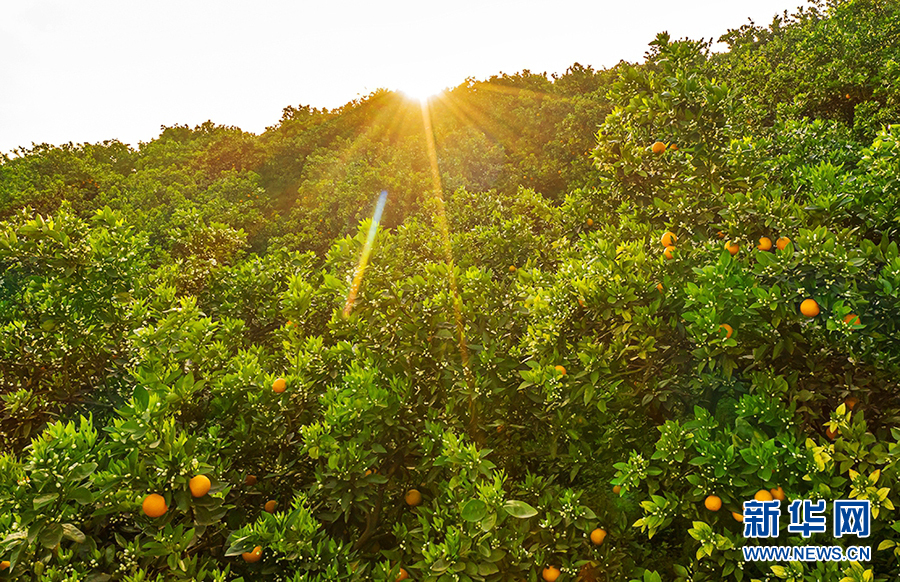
(559,397)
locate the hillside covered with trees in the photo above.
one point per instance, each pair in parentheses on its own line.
(598,312)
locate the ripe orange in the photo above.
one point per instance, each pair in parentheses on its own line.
(830,433)
(668,239)
(720,234)
(728,330)
(581,301)
(809,308)
(253,556)
(154,505)
(270,505)
(4,564)
(250,480)
(617,489)
(589,222)
(657,148)
(673,147)
(560,369)
(668,253)
(659,287)
(851,319)
(737,516)
(782,242)
(279,385)
(199,485)
(778,494)
(850,402)
(765,244)
(512,268)
(763,495)
(732,247)
(403,575)
(413,497)
(713,503)
(598,535)
(371,471)
(550,573)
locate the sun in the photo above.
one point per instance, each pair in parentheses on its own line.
(421,89)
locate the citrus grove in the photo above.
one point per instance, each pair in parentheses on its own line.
(640,297)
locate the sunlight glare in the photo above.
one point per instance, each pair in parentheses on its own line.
(422,89)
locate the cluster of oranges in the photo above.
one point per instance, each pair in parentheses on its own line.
(808,307)
(154,505)
(714,502)
(659,147)
(551,573)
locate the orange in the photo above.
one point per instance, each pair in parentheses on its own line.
(617,489)
(763,495)
(668,239)
(589,222)
(250,480)
(4,564)
(765,244)
(512,268)
(199,485)
(673,147)
(720,234)
(657,148)
(253,556)
(560,369)
(778,494)
(581,301)
(809,308)
(279,385)
(728,330)
(850,402)
(737,516)
(270,505)
(668,253)
(154,505)
(782,242)
(713,503)
(732,248)
(403,575)
(598,535)
(550,573)
(830,433)
(413,497)
(371,472)
(851,319)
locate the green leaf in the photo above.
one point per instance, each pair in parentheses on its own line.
(71,532)
(81,495)
(82,471)
(51,535)
(519,509)
(474,510)
(43,500)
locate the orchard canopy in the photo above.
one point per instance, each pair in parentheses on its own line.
(595,313)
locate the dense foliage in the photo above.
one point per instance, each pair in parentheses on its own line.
(527,383)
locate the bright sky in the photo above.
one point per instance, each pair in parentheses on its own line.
(102,69)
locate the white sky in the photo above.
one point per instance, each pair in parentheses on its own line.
(90,70)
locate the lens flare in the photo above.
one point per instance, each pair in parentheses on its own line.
(364,257)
